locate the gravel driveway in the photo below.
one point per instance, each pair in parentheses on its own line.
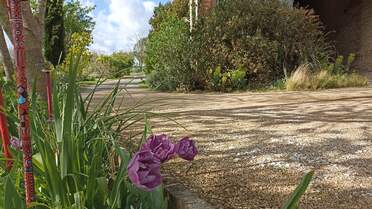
(255,147)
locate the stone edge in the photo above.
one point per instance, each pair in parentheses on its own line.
(182,198)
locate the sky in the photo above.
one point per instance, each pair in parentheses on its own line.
(120,23)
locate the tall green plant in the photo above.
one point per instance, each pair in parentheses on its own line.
(72,161)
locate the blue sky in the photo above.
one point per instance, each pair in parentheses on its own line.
(120,23)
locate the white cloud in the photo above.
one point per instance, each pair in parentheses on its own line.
(87,3)
(121,24)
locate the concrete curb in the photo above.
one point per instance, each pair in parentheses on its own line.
(182,198)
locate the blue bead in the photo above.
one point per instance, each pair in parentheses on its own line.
(21,100)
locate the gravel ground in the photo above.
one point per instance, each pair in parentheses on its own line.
(255,147)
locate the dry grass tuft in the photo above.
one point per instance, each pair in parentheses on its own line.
(304,79)
(300,79)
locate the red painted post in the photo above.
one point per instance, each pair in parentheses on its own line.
(15,17)
(4,132)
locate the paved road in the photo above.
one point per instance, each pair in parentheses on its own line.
(254,147)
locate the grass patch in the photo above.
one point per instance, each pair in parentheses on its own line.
(304,79)
(88,82)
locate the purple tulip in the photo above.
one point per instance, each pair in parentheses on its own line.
(144,170)
(186,149)
(161,146)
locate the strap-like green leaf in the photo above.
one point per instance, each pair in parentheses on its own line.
(294,199)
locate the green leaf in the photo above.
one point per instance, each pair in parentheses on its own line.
(12,198)
(294,199)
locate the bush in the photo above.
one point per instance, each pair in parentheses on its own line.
(120,64)
(265,39)
(95,69)
(227,81)
(268,39)
(340,65)
(168,54)
(159,81)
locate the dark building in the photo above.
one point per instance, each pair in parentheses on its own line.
(350,25)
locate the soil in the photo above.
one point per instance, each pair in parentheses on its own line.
(255,147)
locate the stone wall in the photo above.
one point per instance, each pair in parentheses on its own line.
(365,50)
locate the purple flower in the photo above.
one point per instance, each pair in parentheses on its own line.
(186,149)
(161,146)
(144,170)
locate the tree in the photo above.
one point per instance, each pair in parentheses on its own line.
(139,51)
(77,19)
(33,23)
(120,63)
(176,8)
(168,55)
(54,43)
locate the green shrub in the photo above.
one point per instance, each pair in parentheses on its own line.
(264,37)
(238,80)
(120,64)
(227,81)
(215,78)
(159,81)
(95,69)
(168,53)
(340,65)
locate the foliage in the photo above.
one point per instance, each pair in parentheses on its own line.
(238,80)
(74,157)
(77,19)
(177,8)
(54,44)
(160,81)
(95,68)
(115,65)
(79,48)
(227,81)
(120,63)
(168,52)
(266,38)
(340,65)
